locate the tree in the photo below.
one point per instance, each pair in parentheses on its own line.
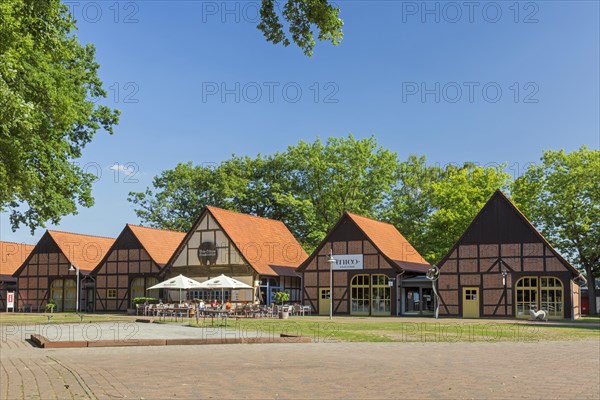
(307,187)
(242,184)
(47,80)
(344,174)
(432,206)
(562,197)
(301,16)
(410,203)
(179,195)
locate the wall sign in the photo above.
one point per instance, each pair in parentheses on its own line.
(10,300)
(208,254)
(348,261)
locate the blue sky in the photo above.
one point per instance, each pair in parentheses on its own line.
(196,81)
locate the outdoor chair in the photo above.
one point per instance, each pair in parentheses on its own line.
(26,308)
(298,310)
(151,310)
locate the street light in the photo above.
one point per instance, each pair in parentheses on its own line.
(71,269)
(331,261)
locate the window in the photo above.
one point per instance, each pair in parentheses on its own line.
(359,292)
(551,293)
(381,295)
(470,294)
(138,288)
(370,295)
(111,293)
(64,294)
(539,293)
(208,295)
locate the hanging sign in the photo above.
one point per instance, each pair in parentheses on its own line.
(207,253)
(348,261)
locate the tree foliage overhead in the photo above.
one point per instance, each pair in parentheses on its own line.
(47,79)
(562,197)
(302,17)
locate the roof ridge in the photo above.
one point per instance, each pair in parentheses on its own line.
(244,214)
(370,218)
(156,229)
(80,234)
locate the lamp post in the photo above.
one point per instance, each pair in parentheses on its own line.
(331,261)
(504,273)
(76,269)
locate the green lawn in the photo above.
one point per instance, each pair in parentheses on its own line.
(589,319)
(34,318)
(353,329)
(399,330)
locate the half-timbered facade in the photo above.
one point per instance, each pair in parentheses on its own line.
(45,273)
(258,251)
(12,255)
(132,265)
(372,261)
(503,267)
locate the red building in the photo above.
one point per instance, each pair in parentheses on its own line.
(12,255)
(377,271)
(45,274)
(503,267)
(132,265)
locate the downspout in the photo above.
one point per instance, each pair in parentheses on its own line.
(572,301)
(579,277)
(398,303)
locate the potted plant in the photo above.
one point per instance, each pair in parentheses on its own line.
(50,305)
(281,297)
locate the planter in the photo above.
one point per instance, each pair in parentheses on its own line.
(284,314)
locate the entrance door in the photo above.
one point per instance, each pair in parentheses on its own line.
(89,300)
(324,300)
(412,300)
(470,302)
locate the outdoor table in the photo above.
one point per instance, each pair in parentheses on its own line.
(173,312)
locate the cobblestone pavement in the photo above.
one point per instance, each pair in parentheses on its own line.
(318,370)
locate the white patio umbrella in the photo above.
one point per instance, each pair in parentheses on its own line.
(224,282)
(179,282)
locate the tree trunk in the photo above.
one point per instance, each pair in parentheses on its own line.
(591,284)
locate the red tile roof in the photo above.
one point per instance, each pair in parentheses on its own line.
(391,243)
(160,244)
(267,244)
(12,255)
(83,251)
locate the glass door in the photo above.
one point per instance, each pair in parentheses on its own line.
(412,300)
(381,295)
(70,295)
